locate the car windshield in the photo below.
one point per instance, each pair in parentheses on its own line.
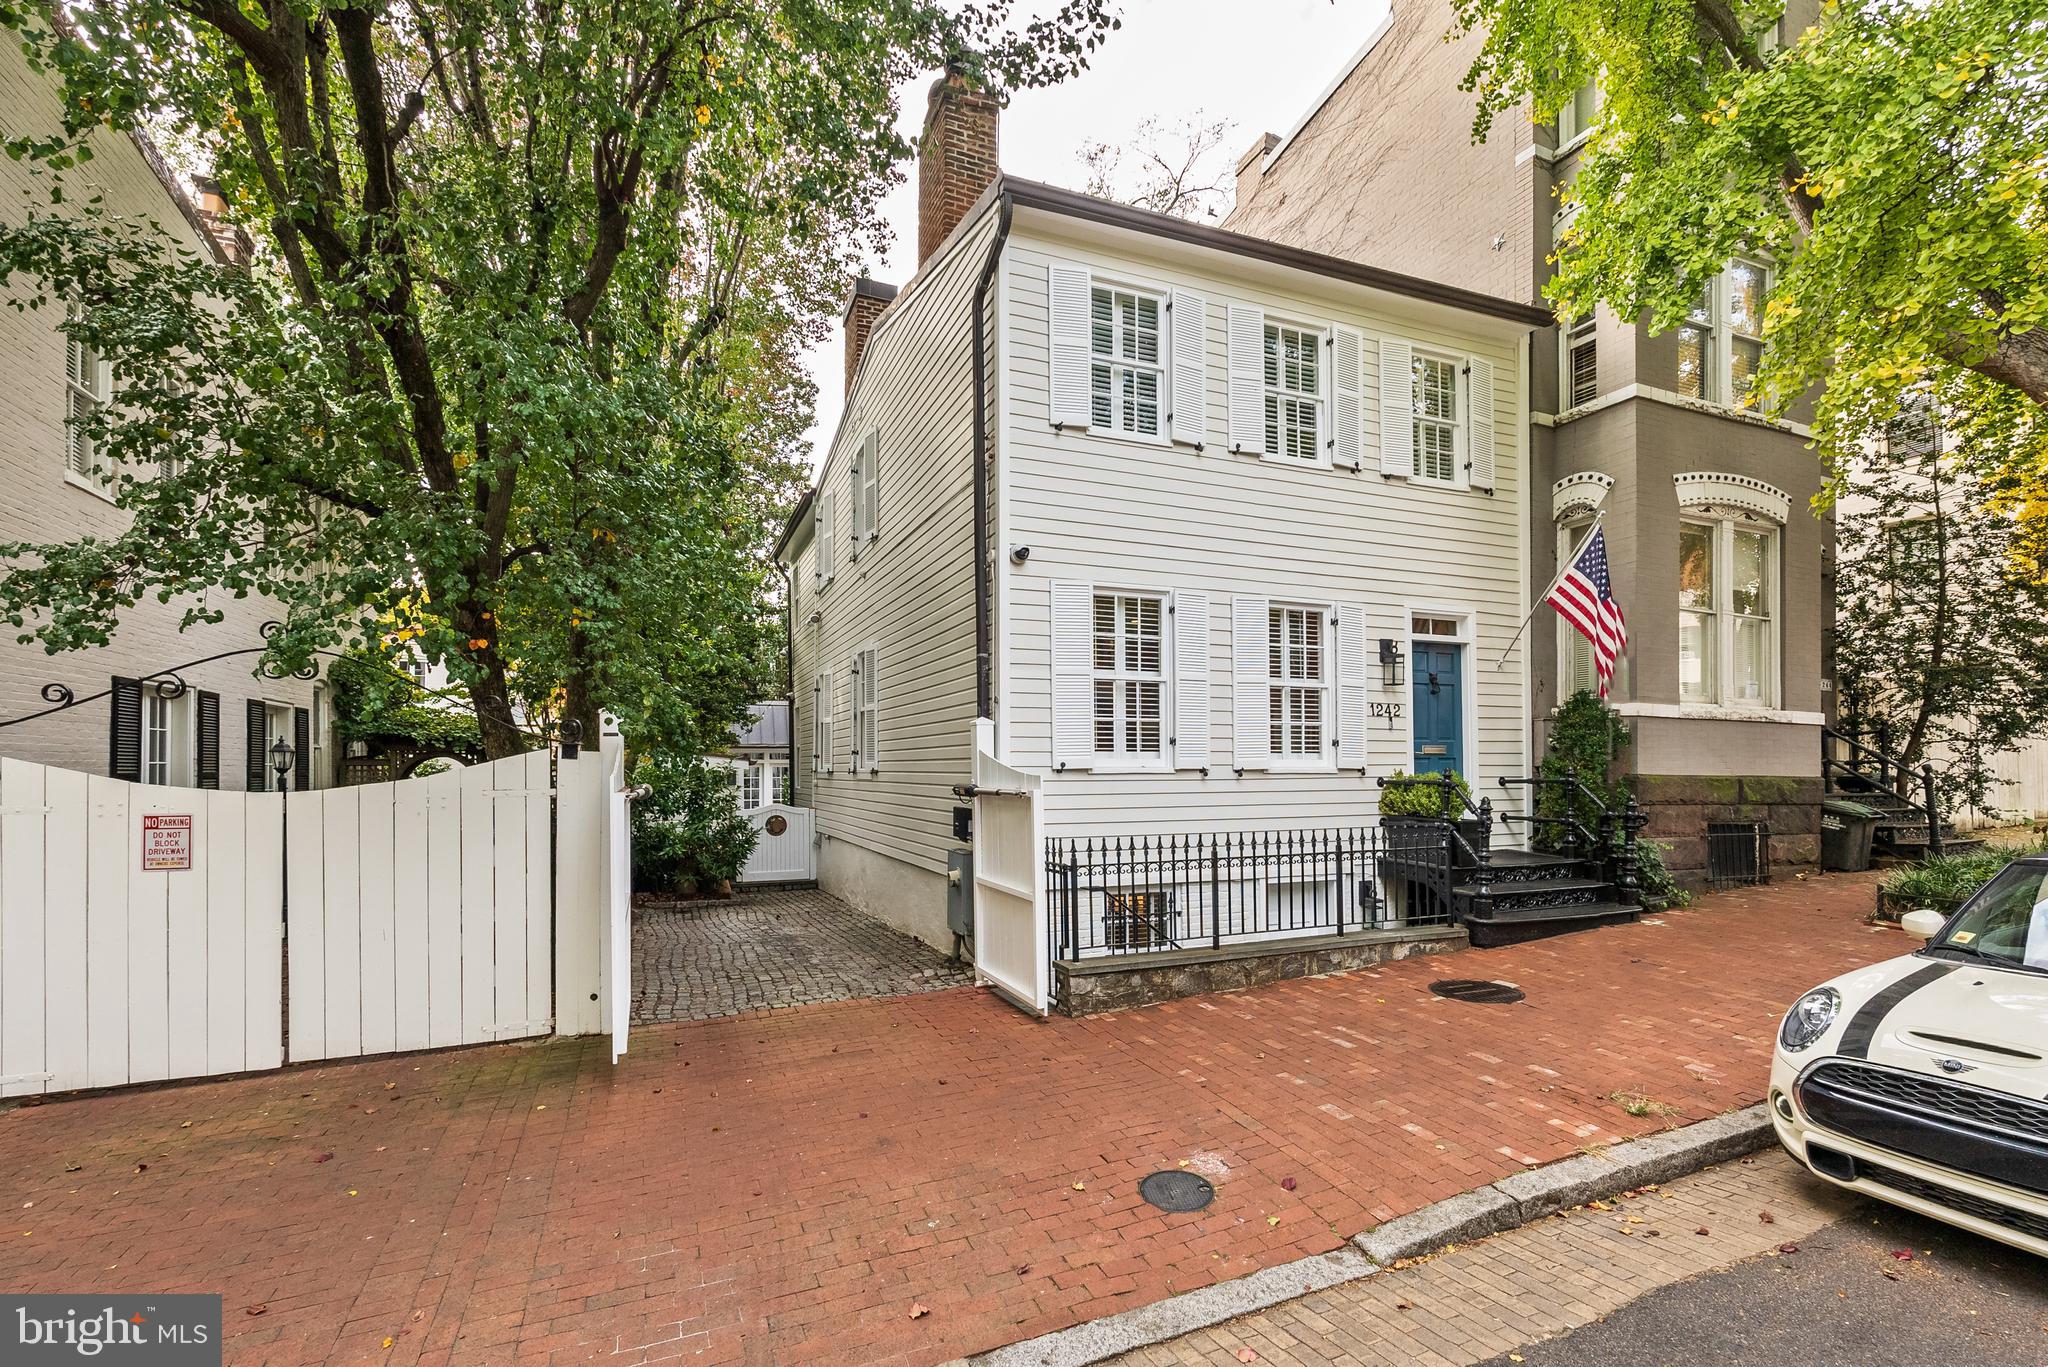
(2007,922)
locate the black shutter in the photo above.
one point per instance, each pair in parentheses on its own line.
(209,740)
(302,740)
(124,731)
(259,745)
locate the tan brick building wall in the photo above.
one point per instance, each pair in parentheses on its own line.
(40,502)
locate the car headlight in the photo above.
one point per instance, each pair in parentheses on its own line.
(1810,1018)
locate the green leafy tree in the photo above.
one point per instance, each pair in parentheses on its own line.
(1891,159)
(1943,590)
(512,360)
(689,834)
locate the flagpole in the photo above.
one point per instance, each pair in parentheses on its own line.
(1542,599)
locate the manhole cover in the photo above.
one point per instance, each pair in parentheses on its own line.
(1177,1190)
(1474,990)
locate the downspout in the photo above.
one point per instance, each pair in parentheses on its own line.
(984,689)
(789,668)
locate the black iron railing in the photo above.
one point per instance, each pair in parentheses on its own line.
(1581,825)
(1153,894)
(1853,767)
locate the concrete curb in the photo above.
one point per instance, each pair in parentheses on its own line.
(1512,1201)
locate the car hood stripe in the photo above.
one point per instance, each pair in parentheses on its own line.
(1863,1026)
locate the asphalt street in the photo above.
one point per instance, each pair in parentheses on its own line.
(1844,1297)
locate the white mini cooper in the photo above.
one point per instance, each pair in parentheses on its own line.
(1923,1080)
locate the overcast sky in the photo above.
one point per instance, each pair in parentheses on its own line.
(1258,63)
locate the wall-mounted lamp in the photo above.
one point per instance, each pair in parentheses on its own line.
(1392,663)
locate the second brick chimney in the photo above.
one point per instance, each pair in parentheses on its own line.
(957,158)
(863,307)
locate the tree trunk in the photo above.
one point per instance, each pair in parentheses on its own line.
(492,701)
(579,700)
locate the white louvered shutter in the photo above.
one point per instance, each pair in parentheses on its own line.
(855,512)
(1397,408)
(1479,422)
(1073,694)
(853,714)
(822,761)
(1190,680)
(1347,413)
(1351,686)
(1247,380)
(1250,707)
(1070,349)
(1190,397)
(871,487)
(868,725)
(823,538)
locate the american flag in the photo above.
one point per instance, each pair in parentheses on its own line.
(1584,596)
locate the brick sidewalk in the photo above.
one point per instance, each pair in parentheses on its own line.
(784,1187)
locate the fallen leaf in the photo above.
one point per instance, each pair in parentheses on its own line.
(1024,1270)
(389,1086)
(542,1107)
(372,1110)
(388,1340)
(1403,1305)
(254,1310)
(322,1158)
(1765,1217)
(1904,1255)
(1247,1355)
(1287,1184)
(186,1125)
(142,1167)
(74,1167)
(1080,1186)
(918,1310)
(351,1191)
(1701,1230)
(1788,1248)
(1272,1220)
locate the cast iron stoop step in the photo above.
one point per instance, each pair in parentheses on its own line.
(1528,895)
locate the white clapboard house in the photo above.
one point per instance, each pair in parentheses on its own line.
(1155,547)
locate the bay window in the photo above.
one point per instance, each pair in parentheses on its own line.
(1727,613)
(1129,676)
(1721,342)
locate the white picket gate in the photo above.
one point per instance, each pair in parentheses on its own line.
(111,972)
(144,930)
(785,851)
(419,911)
(1011,949)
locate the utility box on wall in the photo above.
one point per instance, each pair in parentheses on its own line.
(960,891)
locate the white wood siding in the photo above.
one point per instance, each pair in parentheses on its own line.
(1158,516)
(910,596)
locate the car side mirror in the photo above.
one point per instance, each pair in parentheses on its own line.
(1924,923)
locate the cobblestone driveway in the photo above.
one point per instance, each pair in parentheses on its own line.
(697,960)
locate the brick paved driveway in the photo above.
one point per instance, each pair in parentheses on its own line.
(785,1187)
(760,950)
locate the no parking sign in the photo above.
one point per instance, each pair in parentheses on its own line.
(166,842)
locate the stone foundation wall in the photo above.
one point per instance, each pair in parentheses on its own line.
(1679,808)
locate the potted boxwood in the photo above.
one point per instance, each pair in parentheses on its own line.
(1422,797)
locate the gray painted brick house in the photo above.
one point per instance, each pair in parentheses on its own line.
(1725,573)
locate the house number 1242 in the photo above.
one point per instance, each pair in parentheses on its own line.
(1389,710)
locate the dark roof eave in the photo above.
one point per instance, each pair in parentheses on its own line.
(796,518)
(1072,204)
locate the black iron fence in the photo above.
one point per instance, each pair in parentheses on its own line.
(1153,894)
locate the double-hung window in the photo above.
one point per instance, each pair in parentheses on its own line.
(1297,684)
(1129,676)
(1294,393)
(1727,613)
(1581,380)
(1439,420)
(1579,114)
(87,384)
(156,737)
(1126,366)
(1721,342)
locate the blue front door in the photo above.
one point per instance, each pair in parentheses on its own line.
(1439,708)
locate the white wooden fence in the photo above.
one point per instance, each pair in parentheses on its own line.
(143,930)
(1011,950)
(785,851)
(419,911)
(111,972)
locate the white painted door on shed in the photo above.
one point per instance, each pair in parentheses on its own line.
(419,911)
(783,851)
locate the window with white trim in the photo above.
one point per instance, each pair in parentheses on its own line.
(866,712)
(156,737)
(1727,612)
(750,786)
(1294,393)
(1579,114)
(88,381)
(1297,683)
(1128,666)
(1439,420)
(821,722)
(1576,671)
(1721,342)
(1127,372)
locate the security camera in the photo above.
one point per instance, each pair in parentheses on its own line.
(1019,554)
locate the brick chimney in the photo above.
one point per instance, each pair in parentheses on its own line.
(956,160)
(232,242)
(863,307)
(1252,165)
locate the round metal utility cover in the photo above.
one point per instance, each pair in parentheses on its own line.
(1474,990)
(1177,1190)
